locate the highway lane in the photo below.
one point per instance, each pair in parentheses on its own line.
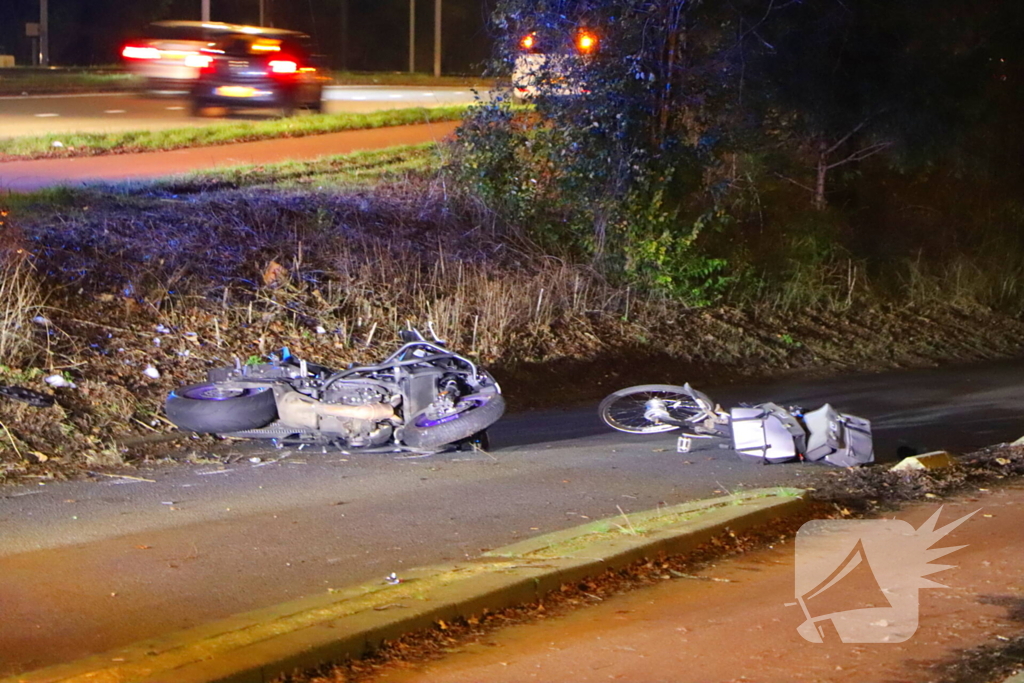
(113,112)
(90,566)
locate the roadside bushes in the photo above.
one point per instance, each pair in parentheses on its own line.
(688,157)
(614,165)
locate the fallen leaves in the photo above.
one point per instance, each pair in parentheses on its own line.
(274,274)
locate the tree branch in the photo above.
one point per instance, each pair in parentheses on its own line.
(797,183)
(861,154)
(846,137)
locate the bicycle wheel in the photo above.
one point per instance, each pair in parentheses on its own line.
(648,409)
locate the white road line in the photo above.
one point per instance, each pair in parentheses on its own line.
(114,111)
(175,108)
(428,94)
(396,96)
(46,116)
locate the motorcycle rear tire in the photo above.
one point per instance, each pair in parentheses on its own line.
(205,408)
(422,435)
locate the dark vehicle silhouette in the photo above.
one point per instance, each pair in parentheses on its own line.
(276,71)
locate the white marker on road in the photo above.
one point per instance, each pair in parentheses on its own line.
(114,111)
(46,116)
(175,108)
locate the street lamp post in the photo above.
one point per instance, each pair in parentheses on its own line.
(206,10)
(344,35)
(437,38)
(412,36)
(44,33)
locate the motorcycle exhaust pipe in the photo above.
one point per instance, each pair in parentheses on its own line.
(301,411)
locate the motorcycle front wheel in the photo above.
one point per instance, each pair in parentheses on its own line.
(211,408)
(629,410)
(471,415)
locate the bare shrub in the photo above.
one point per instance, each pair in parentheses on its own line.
(20,295)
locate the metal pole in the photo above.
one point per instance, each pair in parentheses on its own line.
(412,36)
(206,10)
(437,38)
(263,13)
(344,35)
(44,33)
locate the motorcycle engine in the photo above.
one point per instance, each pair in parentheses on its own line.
(357,432)
(355,394)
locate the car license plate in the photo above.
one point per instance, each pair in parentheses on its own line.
(236,91)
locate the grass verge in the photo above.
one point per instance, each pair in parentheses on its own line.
(88,144)
(345,171)
(33,81)
(411,79)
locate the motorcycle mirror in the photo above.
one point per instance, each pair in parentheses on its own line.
(410,336)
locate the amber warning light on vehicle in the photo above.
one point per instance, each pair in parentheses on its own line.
(528,42)
(586,42)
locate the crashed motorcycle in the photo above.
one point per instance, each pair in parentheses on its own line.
(765,432)
(422,398)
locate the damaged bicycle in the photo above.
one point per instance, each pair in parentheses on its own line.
(766,432)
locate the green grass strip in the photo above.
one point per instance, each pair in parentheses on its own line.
(88,144)
(365,169)
(357,169)
(35,82)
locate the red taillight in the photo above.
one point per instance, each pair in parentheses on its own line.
(140,52)
(283,66)
(586,42)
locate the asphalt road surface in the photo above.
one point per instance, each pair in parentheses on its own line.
(41,114)
(88,566)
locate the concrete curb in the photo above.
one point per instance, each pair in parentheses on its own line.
(256,646)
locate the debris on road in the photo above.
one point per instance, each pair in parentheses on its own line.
(122,476)
(59,382)
(926,461)
(33,398)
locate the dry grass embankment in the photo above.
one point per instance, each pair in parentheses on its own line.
(180,277)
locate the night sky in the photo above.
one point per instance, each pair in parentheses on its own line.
(92,32)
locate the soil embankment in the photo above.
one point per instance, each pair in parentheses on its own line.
(122,297)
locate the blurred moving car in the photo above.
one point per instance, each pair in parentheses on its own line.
(543,61)
(259,71)
(168,55)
